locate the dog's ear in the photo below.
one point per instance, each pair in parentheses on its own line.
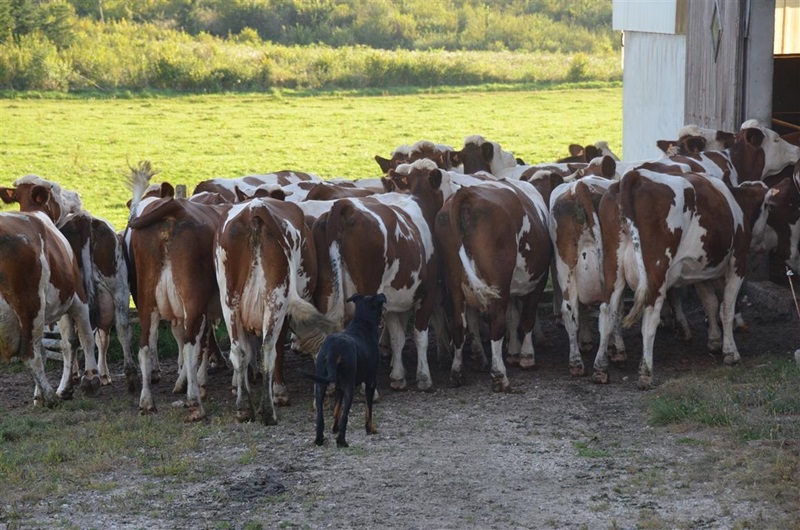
(380,299)
(355,298)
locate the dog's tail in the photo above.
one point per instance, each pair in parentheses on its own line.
(316,378)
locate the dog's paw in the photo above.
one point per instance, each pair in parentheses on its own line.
(319,440)
(341,443)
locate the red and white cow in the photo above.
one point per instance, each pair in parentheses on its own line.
(247,185)
(661,231)
(496,252)
(170,242)
(784,218)
(266,269)
(100,255)
(444,156)
(755,153)
(576,233)
(384,244)
(41,283)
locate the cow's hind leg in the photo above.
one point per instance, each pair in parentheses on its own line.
(395,325)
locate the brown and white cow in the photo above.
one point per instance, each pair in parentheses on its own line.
(384,244)
(577,237)
(227,187)
(100,255)
(444,156)
(496,252)
(266,269)
(661,231)
(755,153)
(170,243)
(784,218)
(41,283)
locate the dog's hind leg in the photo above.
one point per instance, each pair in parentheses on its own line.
(369,393)
(337,408)
(347,402)
(319,396)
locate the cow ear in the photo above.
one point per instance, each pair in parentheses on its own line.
(8,195)
(279,194)
(754,137)
(726,139)
(40,195)
(240,195)
(388,184)
(665,145)
(519,161)
(591,152)
(608,167)
(575,150)
(435,178)
(166,190)
(695,144)
(487,151)
(384,163)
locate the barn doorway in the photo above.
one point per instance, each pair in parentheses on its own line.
(786,75)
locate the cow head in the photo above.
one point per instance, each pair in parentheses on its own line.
(399,156)
(37,194)
(479,154)
(778,153)
(422,179)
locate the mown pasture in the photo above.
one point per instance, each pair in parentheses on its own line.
(86,144)
(712,447)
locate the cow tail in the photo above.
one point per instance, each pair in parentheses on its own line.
(476,291)
(336,226)
(138,181)
(629,186)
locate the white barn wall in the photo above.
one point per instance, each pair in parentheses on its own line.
(653,85)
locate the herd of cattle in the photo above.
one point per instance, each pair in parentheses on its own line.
(457,240)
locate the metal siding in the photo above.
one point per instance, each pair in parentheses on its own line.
(653,91)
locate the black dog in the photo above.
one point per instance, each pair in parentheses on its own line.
(347,359)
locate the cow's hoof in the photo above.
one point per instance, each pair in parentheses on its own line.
(500,383)
(196,413)
(456,377)
(425,384)
(244,416)
(146,410)
(512,359)
(90,384)
(715,346)
(280,396)
(105,380)
(527,362)
(645,382)
(180,387)
(618,358)
(269,419)
(600,376)
(576,369)
(398,384)
(730,359)
(66,394)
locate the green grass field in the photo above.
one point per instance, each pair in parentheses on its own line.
(87,144)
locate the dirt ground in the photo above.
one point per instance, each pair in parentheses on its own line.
(557,452)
